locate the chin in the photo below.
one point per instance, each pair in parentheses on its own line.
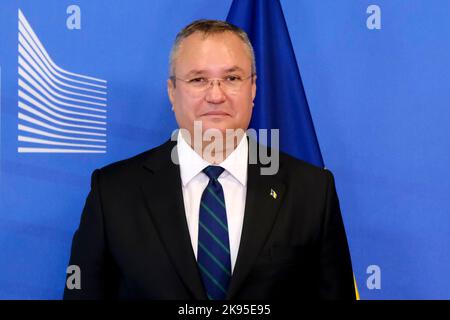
(217,124)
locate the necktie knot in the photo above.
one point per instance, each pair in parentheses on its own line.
(213,172)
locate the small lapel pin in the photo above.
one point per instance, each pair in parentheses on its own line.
(273,193)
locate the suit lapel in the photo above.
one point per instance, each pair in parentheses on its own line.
(260,213)
(163,195)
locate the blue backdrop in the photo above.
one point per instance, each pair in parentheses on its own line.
(379,98)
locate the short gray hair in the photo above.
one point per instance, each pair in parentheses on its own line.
(208,27)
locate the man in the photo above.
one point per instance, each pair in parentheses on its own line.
(177,222)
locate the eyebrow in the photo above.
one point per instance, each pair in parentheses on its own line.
(233,69)
(202,72)
(195,72)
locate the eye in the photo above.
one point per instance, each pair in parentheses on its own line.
(197,80)
(232,78)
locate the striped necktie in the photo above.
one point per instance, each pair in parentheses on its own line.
(213,255)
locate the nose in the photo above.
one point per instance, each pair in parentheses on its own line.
(215,93)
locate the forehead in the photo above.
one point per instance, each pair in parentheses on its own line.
(212,53)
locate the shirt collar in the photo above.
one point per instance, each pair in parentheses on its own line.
(191,164)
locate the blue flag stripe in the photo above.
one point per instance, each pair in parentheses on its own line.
(280,101)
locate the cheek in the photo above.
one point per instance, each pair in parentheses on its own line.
(187,107)
(243,107)
(248,114)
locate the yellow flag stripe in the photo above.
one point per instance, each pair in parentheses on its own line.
(356,288)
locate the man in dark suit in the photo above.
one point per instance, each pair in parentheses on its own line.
(186,221)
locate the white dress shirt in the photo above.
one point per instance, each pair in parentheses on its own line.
(234,184)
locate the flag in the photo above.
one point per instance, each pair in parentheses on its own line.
(280,101)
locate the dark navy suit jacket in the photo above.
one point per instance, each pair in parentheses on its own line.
(133,241)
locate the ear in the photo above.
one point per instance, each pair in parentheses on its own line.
(171,91)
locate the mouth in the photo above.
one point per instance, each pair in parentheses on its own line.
(215,114)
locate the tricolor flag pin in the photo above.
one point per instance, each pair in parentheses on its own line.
(273,193)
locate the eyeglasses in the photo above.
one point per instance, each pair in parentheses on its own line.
(231,84)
